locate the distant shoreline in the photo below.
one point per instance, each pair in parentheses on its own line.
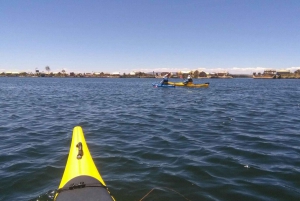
(147,77)
(267,74)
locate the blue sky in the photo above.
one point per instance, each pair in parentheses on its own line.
(122,36)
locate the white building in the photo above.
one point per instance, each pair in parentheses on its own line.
(115,73)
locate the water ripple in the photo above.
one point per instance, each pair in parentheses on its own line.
(236,140)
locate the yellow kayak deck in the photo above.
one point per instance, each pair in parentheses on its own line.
(189,84)
(80,172)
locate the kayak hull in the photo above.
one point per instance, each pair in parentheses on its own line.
(163,85)
(189,84)
(81,179)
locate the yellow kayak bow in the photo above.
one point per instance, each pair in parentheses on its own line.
(81,179)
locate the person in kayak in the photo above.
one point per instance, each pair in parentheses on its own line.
(165,79)
(188,80)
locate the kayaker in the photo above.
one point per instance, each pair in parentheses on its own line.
(188,80)
(165,79)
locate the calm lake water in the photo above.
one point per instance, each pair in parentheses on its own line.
(239,139)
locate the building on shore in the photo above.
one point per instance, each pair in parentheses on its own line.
(267,74)
(283,73)
(224,75)
(280,74)
(115,74)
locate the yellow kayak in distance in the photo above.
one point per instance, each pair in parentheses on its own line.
(189,84)
(81,179)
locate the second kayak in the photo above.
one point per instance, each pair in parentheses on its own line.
(189,84)
(81,179)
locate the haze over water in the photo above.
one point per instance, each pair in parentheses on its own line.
(236,140)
